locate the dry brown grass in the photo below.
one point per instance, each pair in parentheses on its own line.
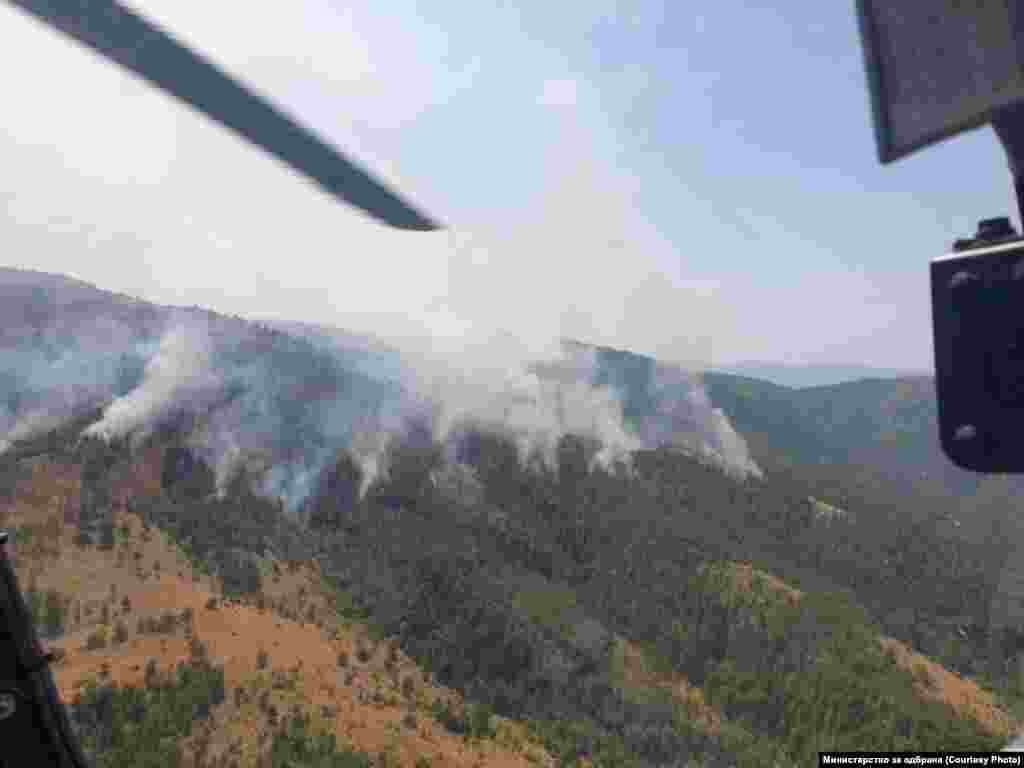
(934,682)
(234,633)
(744,575)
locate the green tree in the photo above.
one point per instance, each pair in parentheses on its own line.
(53,611)
(338,494)
(34,599)
(107,535)
(297,744)
(141,727)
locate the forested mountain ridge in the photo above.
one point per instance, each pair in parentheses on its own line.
(875,443)
(593,595)
(887,424)
(812,375)
(167,659)
(507,599)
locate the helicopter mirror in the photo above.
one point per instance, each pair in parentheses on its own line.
(938,68)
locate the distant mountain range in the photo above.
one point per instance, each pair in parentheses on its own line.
(871,438)
(801,376)
(889,424)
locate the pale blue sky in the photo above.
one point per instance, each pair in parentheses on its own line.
(748,130)
(699,186)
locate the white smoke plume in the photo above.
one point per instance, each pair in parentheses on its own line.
(460,375)
(39,420)
(217,441)
(686,418)
(67,349)
(282,408)
(732,448)
(368,449)
(535,391)
(177,375)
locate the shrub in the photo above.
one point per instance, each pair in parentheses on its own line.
(49,611)
(96,640)
(197,649)
(447,717)
(299,745)
(106,536)
(167,622)
(241,576)
(343,659)
(262,660)
(478,721)
(132,726)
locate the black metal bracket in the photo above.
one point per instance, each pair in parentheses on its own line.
(1008,123)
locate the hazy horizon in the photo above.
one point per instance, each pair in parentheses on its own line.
(610,173)
(832,371)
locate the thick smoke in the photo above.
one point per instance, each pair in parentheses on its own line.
(60,356)
(372,439)
(178,376)
(258,400)
(285,410)
(533,392)
(282,408)
(684,417)
(537,391)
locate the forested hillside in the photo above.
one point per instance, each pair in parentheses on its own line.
(887,425)
(598,607)
(587,564)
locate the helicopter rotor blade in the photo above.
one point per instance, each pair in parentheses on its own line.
(123,36)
